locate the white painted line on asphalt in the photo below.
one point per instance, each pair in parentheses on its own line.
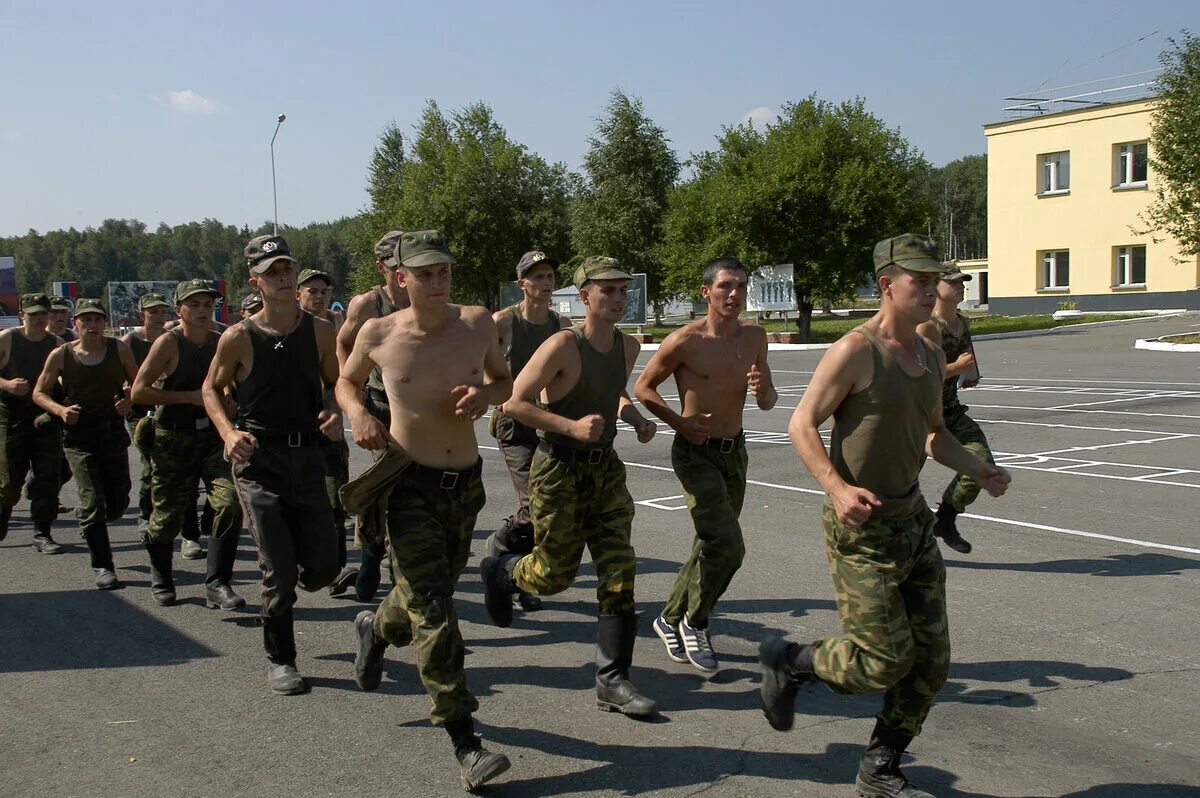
(1092,382)
(1082,427)
(1081,410)
(1080,533)
(1114,445)
(660,503)
(1126,399)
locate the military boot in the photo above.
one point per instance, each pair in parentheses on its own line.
(366,582)
(96,536)
(946,528)
(279,640)
(222,552)
(879,773)
(786,667)
(498,587)
(5,517)
(368,662)
(162,583)
(615,636)
(478,765)
(513,538)
(43,541)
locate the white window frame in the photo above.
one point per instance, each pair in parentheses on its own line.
(1124,158)
(1049,177)
(1123,265)
(1048,277)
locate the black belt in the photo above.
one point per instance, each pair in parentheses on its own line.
(591,456)
(727,445)
(446,479)
(179,425)
(293,440)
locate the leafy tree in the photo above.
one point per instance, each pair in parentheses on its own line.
(956,195)
(1175,146)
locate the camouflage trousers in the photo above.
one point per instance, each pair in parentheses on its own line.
(430,528)
(28,446)
(146,479)
(575,504)
(891,594)
(99,459)
(714,485)
(179,460)
(517,442)
(963,490)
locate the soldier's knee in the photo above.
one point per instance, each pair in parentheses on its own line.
(882,672)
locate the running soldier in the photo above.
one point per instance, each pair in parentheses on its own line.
(60,318)
(279,358)
(187,449)
(523,328)
(951,330)
(250,305)
(441,368)
(27,443)
(95,371)
(380,301)
(715,361)
(577,492)
(881,383)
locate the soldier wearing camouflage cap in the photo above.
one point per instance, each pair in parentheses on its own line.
(577,491)
(251,304)
(60,318)
(882,385)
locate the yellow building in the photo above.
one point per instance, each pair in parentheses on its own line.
(1065,191)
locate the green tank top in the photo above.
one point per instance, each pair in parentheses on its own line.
(954,346)
(383,307)
(527,337)
(26,359)
(94,388)
(879,433)
(189,374)
(602,377)
(282,392)
(141,351)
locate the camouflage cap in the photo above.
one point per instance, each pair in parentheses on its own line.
(151,300)
(34,303)
(385,249)
(531,259)
(192,287)
(909,251)
(251,302)
(262,251)
(309,274)
(424,248)
(600,268)
(951,272)
(60,302)
(88,305)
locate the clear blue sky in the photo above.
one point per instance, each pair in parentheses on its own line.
(163,111)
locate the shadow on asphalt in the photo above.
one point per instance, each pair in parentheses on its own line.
(1147,564)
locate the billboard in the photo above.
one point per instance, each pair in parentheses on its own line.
(772,288)
(8,287)
(123,300)
(566,302)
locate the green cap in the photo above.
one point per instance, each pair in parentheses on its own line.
(309,274)
(88,305)
(60,302)
(910,251)
(951,272)
(34,303)
(600,268)
(424,248)
(385,249)
(192,287)
(152,300)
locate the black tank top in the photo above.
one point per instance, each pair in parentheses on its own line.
(141,351)
(282,393)
(602,377)
(26,359)
(94,388)
(527,337)
(189,374)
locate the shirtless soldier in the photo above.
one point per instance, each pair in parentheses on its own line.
(279,358)
(882,384)
(523,328)
(577,491)
(715,360)
(441,368)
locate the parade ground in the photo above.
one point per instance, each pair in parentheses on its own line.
(1075,626)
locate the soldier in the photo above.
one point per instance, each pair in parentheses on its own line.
(250,305)
(577,492)
(523,328)
(279,357)
(714,360)
(881,383)
(380,301)
(441,368)
(187,449)
(314,291)
(27,443)
(951,330)
(95,372)
(60,318)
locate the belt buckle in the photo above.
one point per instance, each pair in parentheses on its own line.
(727,445)
(295,439)
(594,456)
(449,480)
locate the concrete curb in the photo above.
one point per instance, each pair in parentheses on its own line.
(1157,345)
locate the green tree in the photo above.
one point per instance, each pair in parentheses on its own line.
(1175,146)
(623,195)
(956,195)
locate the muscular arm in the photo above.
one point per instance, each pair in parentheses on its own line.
(662,365)
(368,431)
(361,310)
(759,381)
(18,386)
(161,362)
(942,446)
(626,411)
(43,393)
(233,351)
(129,364)
(330,418)
(547,363)
(503,320)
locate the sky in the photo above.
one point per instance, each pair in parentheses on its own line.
(164,112)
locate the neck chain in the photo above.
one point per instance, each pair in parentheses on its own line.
(279,341)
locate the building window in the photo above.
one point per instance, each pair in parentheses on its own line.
(1130,267)
(1056,270)
(1056,172)
(1131,165)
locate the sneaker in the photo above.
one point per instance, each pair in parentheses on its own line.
(45,544)
(670,639)
(697,647)
(368,663)
(191,550)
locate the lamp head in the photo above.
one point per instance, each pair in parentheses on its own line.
(281,117)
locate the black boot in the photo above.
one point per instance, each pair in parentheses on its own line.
(615,636)
(222,551)
(162,585)
(478,765)
(368,662)
(367,580)
(786,667)
(5,516)
(498,587)
(43,542)
(879,773)
(947,530)
(279,640)
(96,536)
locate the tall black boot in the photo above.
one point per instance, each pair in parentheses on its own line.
(5,517)
(348,574)
(786,667)
(222,551)
(879,773)
(279,640)
(162,584)
(946,528)
(96,536)
(367,580)
(478,765)
(615,636)
(498,587)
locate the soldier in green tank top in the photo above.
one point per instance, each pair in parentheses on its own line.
(577,491)
(881,383)
(95,373)
(27,444)
(952,331)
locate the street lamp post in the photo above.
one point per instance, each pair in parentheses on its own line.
(274,191)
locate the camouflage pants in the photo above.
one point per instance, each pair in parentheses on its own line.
(431,529)
(26,447)
(517,442)
(145,505)
(99,459)
(963,490)
(179,460)
(573,504)
(891,594)
(714,485)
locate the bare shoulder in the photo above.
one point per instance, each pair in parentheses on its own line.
(361,307)
(754,332)
(632,345)
(123,347)
(503,316)
(127,337)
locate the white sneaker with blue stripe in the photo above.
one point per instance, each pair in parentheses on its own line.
(697,647)
(670,639)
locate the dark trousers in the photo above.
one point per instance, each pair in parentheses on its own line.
(99,458)
(24,447)
(517,442)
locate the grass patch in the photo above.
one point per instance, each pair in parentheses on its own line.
(1187,338)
